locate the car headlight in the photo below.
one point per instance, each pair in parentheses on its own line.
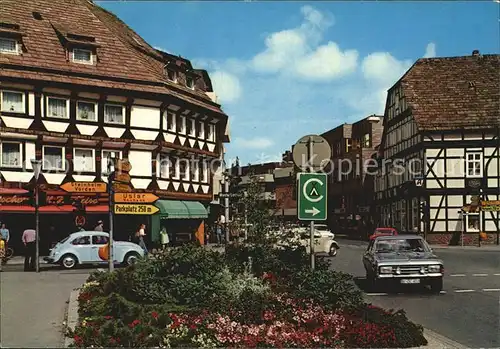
(385,270)
(434,268)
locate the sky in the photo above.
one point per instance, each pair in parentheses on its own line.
(283,70)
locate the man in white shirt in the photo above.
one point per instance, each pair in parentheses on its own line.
(29,241)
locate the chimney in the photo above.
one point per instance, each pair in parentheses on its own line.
(475,53)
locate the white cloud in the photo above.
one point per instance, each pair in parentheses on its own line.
(226,86)
(298,84)
(297,51)
(430,50)
(253,143)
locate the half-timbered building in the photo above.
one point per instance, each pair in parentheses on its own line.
(440,151)
(78,86)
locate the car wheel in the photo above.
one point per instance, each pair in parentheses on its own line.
(131,258)
(69,261)
(436,285)
(333,251)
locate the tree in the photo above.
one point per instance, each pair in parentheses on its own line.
(259,212)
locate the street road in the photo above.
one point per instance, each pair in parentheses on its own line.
(467,311)
(33,305)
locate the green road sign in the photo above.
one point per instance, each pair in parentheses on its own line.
(312,196)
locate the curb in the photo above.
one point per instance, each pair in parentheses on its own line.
(437,341)
(71,316)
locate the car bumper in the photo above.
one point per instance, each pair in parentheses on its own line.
(49,260)
(409,276)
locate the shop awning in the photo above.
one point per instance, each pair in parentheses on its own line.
(177,209)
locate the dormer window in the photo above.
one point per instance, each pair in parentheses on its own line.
(171,75)
(83,56)
(190,82)
(9,46)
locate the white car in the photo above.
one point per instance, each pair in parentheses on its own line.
(90,247)
(323,240)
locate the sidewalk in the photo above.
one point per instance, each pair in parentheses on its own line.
(19,260)
(33,307)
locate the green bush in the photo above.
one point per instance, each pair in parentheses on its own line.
(328,288)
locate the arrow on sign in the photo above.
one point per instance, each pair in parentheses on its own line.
(314,211)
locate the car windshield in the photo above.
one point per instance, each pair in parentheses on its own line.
(321,227)
(384,231)
(401,245)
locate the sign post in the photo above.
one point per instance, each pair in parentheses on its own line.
(311,199)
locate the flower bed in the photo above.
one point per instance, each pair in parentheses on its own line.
(196,298)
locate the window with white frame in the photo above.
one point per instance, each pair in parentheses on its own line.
(192,128)
(57,107)
(201,130)
(195,171)
(8,45)
(204,171)
(164,166)
(348,144)
(13,101)
(190,82)
(211,132)
(86,111)
(53,158)
(82,56)
(83,160)
(181,124)
(107,160)
(366,140)
(474,164)
(171,75)
(10,154)
(171,121)
(113,114)
(184,169)
(472,222)
(174,168)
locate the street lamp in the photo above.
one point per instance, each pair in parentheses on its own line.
(37,169)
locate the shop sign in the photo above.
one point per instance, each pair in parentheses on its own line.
(490,208)
(135,209)
(80,221)
(70,200)
(135,198)
(490,203)
(14,200)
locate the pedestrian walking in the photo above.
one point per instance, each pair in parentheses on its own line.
(141,235)
(99,226)
(29,238)
(165,240)
(5,234)
(2,252)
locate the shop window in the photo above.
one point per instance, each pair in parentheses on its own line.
(10,154)
(13,101)
(86,111)
(57,108)
(83,160)
(53,158)
(113,114)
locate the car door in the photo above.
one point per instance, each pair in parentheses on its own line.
(82,248)
(98,241)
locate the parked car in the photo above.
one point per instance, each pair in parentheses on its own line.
(401,260)
(91,247)
(324,241)
(383,232)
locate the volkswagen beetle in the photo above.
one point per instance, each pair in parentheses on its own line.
(91,247)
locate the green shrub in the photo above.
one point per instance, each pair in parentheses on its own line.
(328,288)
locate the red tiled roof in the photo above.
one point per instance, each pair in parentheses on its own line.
(121,53)
(454,92)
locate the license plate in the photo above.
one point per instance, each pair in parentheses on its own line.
(410,281)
